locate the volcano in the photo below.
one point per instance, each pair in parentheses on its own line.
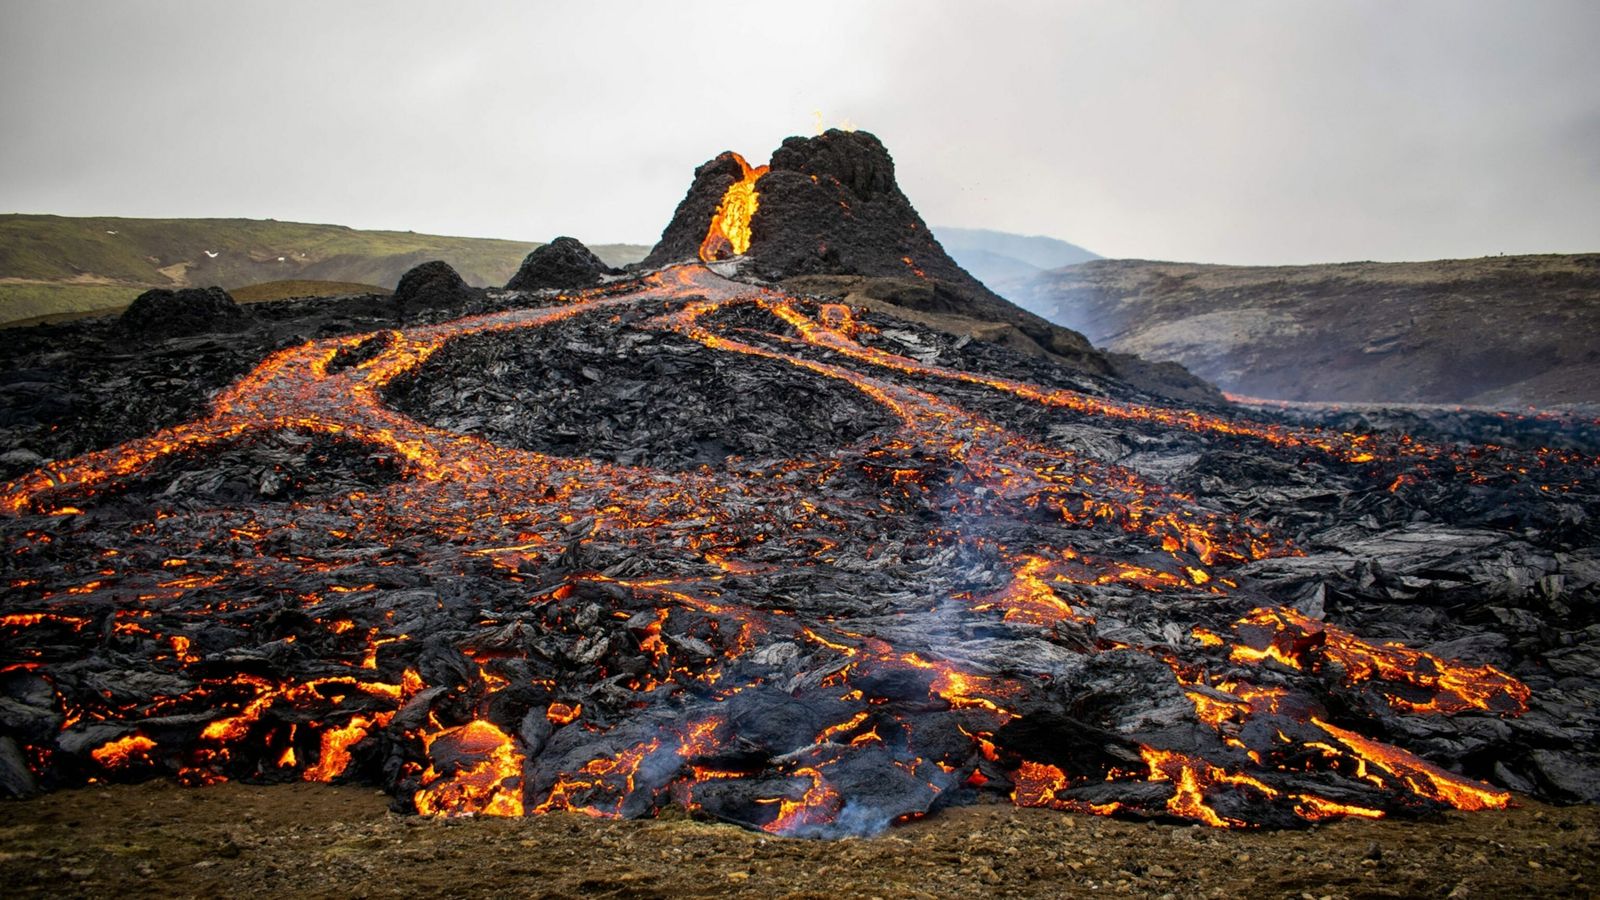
(685,537)
(826,214)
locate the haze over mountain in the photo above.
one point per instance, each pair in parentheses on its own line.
(1251,132)
(993,256)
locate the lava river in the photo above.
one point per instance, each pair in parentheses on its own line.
(816,644)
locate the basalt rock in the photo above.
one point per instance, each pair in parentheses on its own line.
(804,566)
(797,566)
(163,313)
(682,237)
(830,206)
(431,284)
(562,264)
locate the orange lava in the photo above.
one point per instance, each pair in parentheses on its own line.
(122,752)
(1445,686)
(729,234)
(513,510)
(489,780)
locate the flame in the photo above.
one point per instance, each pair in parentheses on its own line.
(1289,637)
(585,790)
(563,713)
(817,806)
(819,124)
(729,234)
(1420,776)
(1036,784)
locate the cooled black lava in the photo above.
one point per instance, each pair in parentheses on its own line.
(927,606)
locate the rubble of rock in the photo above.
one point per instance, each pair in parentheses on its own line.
(431,284)
(563,264)
(780,562)
(815,557)
(162,313)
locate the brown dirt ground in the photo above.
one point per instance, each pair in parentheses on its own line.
(315,840)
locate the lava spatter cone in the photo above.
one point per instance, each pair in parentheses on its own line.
(563,264)
(830,206)
(824,205)
(431,284)
(172,313)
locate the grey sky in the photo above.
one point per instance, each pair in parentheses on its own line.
(1246,132)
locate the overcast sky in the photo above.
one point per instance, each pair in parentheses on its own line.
(1243,132)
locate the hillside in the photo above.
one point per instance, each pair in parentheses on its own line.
(1502,331)
(997,256)
(53,264)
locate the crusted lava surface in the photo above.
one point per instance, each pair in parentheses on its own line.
(679,541)
(606,389)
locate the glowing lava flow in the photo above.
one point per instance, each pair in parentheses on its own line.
(610,687)
(1288,637)
(729,234)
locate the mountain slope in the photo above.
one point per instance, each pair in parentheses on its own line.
(827,217)
(995,256)
(1508,330)
(57,264)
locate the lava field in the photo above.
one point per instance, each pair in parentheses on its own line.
(684,540)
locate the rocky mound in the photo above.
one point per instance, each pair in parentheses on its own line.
(431,284)
(589,391)
(830,206)
(561,264)
(164,313)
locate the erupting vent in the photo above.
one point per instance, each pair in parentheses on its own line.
(729,234)
(960,602)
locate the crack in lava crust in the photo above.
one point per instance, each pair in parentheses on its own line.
(551,633)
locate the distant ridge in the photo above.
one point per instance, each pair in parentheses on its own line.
(51,265)
(996,256)
(1496,331)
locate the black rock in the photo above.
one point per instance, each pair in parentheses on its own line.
(163,313)
(829,205)
(788,586)
(692,218)
(16,780)
(561,264)
(431,284)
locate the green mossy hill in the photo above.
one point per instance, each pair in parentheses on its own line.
(51,265)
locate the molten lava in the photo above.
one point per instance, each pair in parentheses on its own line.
(729,234)
(484,774)
(698,656)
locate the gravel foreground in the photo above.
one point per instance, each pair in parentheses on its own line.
(157,839)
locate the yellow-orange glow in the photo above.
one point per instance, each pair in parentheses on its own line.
(512,509)
(491,784)
(336,744)
(729,234)
(563,714)
(122,752)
